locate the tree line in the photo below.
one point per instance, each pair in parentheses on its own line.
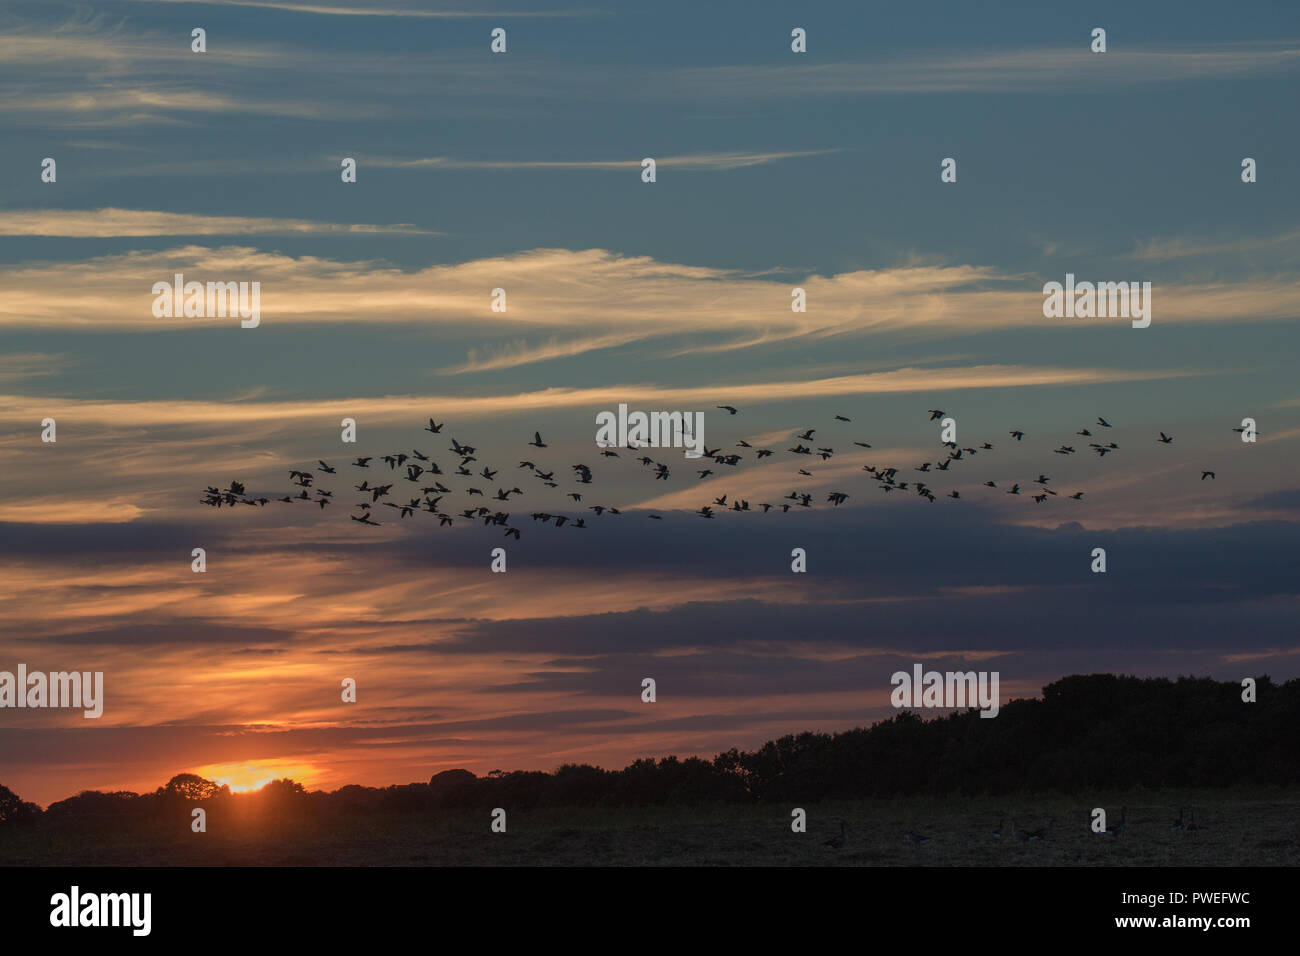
(1086,733)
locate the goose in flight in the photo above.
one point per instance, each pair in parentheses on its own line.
(1103,423)
(326,468)
(537,440)
(727,408)
(365,519)
(1015,489)
(362,463)
(1084,431)
(1208,474)
(1164,439)
(841,418)
(1077,496)
(1017,435)
(935,413)
(433,427)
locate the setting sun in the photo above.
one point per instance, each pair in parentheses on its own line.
(247,777)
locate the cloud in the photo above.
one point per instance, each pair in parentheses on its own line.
(1186,248)
(350,10)
(1065,69)
(602,297)
(696,161)
(398,408)
(112,222)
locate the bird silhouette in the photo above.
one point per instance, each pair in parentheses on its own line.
(837,842)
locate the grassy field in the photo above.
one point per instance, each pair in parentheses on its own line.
(1259,829)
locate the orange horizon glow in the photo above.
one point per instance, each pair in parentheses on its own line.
(254,775)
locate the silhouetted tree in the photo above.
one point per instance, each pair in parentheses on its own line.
(14,811)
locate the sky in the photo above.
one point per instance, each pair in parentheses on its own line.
(522,170)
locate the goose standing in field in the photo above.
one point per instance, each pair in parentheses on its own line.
(1026,836)
(836,842)
(917,839)
(1117,829)
(1191,826)
(997,833)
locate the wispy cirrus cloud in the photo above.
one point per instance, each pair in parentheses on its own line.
(1033,70)
(391,10)
(581,300)
(112,222)
(1182,247)
(397,408)
(696,161)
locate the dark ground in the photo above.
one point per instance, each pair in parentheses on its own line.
(1259,828)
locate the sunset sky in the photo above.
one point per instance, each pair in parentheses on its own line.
(523,171)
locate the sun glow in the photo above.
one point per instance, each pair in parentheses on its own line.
(254,775)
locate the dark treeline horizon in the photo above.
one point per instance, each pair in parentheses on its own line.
(1087,732)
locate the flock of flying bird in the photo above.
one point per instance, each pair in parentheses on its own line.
(428,478)
(1185,822)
